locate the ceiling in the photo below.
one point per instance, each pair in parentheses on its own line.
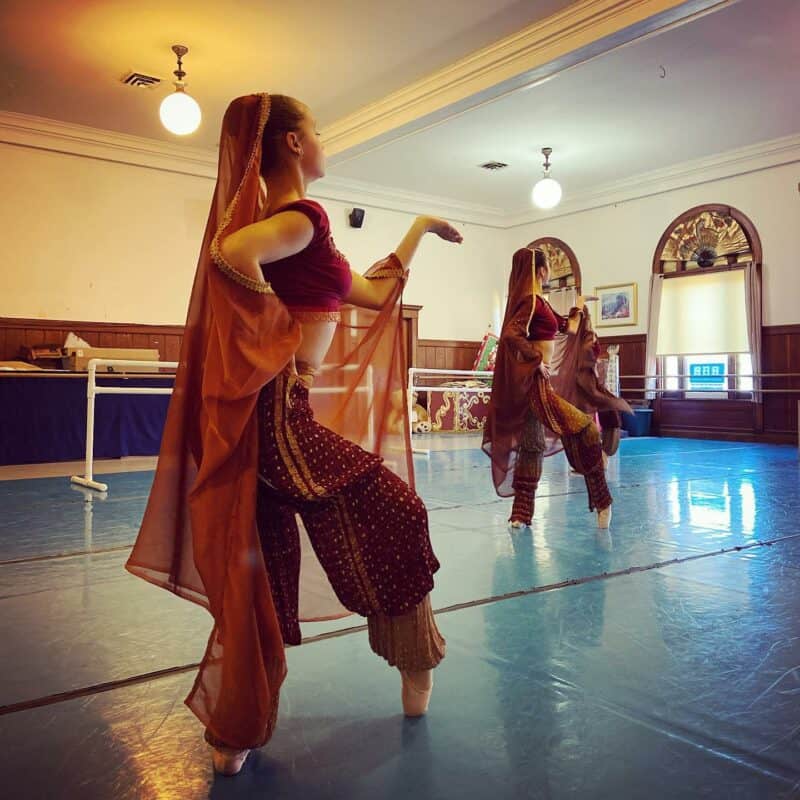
(724,81)
(64,59)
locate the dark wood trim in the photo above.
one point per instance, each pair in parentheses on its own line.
(446,353)
(706,270)
(628,338)
(727,436)
(411,326)
(62,324)
(19,332)
(632,349)
(780,330)
(449,343)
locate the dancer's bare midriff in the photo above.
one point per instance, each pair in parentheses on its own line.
(546,348)
(317,338)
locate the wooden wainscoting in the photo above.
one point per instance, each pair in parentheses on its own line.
(774,421)
(446,353)
(741,420)
(707,419)
(631,362)
(16,333)
(780,352)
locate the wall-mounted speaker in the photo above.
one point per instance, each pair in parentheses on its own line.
(356,217)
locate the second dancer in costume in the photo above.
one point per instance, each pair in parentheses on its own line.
(525,408)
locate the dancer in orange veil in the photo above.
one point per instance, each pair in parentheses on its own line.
(532,408)
(253,494)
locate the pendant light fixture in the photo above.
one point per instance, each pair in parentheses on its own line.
(547,191)
(179,111)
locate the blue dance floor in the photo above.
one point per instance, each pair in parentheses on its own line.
(658,660)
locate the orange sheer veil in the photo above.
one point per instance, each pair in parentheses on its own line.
(199,537)
(513,378)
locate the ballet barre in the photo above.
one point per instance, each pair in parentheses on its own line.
(92,390)
(659,389)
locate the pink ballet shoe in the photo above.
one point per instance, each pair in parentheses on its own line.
(415,698)
(604,518)
(228,762)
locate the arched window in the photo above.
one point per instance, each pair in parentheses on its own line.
(564,268)
(565,272)
(705,237)
(704,335)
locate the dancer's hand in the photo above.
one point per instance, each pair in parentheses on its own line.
(545,370)
(443,229)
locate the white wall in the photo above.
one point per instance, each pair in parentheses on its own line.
(457,285)
(87,239)
(95,240)
(616,244)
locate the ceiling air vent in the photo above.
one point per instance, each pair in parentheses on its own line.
(493,165)
(141,80)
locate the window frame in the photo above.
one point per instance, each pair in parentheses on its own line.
(755,258)
(683,394)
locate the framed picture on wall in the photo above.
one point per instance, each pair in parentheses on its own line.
(616,305)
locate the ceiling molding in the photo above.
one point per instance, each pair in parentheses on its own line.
(355,192)
(560,41)
(744,160)
(80,140)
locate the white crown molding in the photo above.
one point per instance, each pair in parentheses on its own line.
(561,40)
(744,160)
(80,140)
(374,195)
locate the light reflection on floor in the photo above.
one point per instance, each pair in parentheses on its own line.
(676,677)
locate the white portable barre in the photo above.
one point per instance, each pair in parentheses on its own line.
(92,390)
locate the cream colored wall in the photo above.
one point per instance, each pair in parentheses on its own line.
(457,285)
(87,239)
(616,244)
(95,240)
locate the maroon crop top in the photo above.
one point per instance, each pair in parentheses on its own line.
(315,281)
(545,323)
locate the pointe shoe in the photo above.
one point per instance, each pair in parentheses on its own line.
(228,762)
(415,699)
(604,518)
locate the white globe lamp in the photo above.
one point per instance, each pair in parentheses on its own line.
(180,114)
(547,192)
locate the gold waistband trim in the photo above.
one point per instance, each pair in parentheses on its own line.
(316,316)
